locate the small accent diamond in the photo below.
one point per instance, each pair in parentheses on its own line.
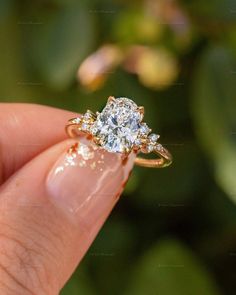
(138,142)
(94,130)
(76,121)
(144,129)
(85,127)
(153,137)
(149,148)
(159,147)
(87,116)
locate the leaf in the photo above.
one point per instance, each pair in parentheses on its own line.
(5,8)
(230,38)
(61,44)
(214,112)
(136,26)
(109,253)
(175,185)
(170,268)
(212,10)
(78,284)
(13,86)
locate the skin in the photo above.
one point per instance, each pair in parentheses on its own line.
(50,208)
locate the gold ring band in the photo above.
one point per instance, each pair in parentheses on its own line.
(119,128)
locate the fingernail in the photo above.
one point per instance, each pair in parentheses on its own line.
(86,181)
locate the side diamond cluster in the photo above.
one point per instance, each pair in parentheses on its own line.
(146,141)
(85,122)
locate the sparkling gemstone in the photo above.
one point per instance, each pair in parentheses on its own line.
(138,142)
(87,116)
(159,147)
(76,120)
(144,129)
(149,148)
(85,127)
(118,125)
(153,137)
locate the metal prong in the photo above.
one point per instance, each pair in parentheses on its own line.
(92,114)
(126,151)
(141,110)
(111,99)
(97,140)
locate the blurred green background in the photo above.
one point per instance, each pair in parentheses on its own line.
(174,230)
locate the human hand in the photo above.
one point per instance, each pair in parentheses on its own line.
(52,202)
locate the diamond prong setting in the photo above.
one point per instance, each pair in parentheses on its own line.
(111,99)
(118,127)
(141,111)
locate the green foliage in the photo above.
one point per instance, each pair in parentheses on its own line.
(185,167)
(5,7)
(214,107)
(170,268)
(42,45)
(78,284)
(212,10)
(59,47)
(136,26)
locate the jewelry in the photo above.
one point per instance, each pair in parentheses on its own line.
(119,129)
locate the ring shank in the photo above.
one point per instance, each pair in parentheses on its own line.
(164,158)
(72,130)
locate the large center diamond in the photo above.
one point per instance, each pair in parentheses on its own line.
(117,126)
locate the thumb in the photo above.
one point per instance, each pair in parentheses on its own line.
(51,211)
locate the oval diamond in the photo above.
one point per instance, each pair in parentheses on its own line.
(117,126)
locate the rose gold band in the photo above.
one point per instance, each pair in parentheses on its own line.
(164,159)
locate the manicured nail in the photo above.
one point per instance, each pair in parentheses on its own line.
(86,181)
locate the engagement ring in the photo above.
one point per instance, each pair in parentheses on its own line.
(119,128)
